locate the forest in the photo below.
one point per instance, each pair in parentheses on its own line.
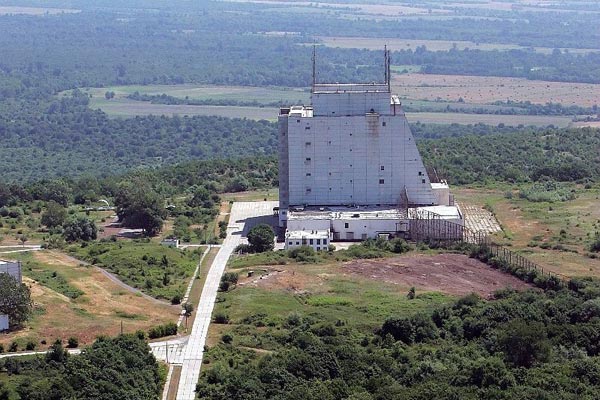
(112,368)
(522,345)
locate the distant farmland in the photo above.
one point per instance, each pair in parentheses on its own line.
(438,85)
(396,44)
(483,90)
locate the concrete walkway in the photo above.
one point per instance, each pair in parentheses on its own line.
(244,215)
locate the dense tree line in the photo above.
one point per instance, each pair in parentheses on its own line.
(524,345)
(111,368)
(557,154)
(65,138)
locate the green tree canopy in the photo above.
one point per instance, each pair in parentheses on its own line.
(15,300)
(54,215)
(139,206)
(80,228)
(261,237)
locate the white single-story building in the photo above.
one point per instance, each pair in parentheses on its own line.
(317,239)
(170,242)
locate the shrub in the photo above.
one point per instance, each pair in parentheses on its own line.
(227,338)
(72,343)
(176,299)
(13,347)
(221,318)
(30,345)
(159,331)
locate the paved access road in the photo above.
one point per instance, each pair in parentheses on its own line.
(243,216)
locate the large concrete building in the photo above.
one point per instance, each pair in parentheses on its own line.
(350,158)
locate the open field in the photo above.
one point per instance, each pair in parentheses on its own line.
(101,309)
(158,271)
(534,229)
(324,291)
(263,95)
(359,8)
(131,108)
(396,44)
(127,108)
(482,90)
(10,10)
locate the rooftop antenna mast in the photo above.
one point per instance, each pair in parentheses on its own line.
(388,69)
(385,62)
(314,68)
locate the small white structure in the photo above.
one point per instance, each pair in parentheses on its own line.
(317,239)
(3,322)
(170,242)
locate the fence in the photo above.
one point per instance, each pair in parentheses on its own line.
(427,226)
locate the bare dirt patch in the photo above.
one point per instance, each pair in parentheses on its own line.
(454,274)
(290,279)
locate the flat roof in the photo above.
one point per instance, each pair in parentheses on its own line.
(307,234)
(365,213)
(439,185)
(445,212)
(3,262)
(340,212)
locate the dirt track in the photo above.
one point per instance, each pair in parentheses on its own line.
(454,274)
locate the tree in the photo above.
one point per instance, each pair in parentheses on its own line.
(524,342)
(139,206)
(80,228)
(261,237)
(23,239)
(54,215)
(188,309)
(15,300)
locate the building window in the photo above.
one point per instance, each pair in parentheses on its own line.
(350,180)
(310,241)
(350,149)
(420,173)
(308,190)
(318,241)
(290,243)
(297,243)
(308,174)
(307,144)
(383,123)
(382,168)
(422,180)
(381,181)
(346,225)
(324,241)
(329,142)
(298,120)
(307,158)
(307,127)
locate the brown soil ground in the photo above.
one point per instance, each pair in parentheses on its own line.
(99,311)
(487,89)
(454,274)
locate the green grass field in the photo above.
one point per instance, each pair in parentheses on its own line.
(143,266)
(258,311)
(554,234)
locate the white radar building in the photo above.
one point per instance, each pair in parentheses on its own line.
(349,166)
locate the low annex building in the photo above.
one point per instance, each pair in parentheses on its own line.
(349,165)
